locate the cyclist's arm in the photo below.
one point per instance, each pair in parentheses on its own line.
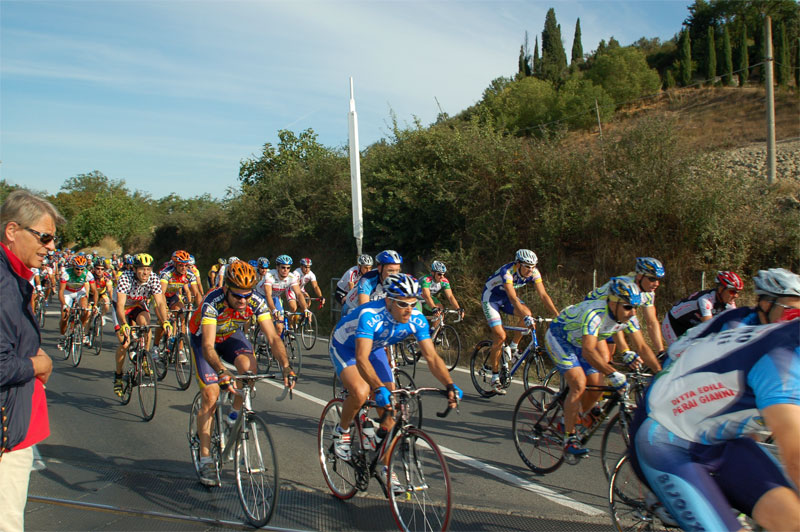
(520,308)
(644,351)
(209,332)
(61,298)
(548,303)
(654,327)
(198,294)
(426,297)
(784,422)
(452,299)
(301,300)
(268,298)
(276,344)
(161,308)
(362,298)
(594,356)
(363,350)
(317,289)
(120,307)
(95,293)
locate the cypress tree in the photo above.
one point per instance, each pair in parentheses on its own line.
(537,63)
(521,61)
(784,63)
(797,66)
(711,57)
(744,60)
(669,79)
(686,60)
(577,46)
(554,58)
(727,57)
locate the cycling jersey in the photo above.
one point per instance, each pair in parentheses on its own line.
(730,319)
(436,286)
(215,311)
(350,276)
(689,312)
(101,283)
(137,293)
(304,278)
(648,298)
(73,282)
(370,285)
(495,298)
(175,281)
(267,279)
(281,286)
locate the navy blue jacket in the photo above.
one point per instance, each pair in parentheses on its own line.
(19,341)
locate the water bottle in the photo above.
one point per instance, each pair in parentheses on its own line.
(367,433)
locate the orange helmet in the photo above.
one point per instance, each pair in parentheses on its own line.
(181,257)
(79,261)
(239,274)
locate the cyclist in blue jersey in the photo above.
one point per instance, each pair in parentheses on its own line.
(500,295)
(358,355)
(369,287)
(778,292)
(575,343)
(694,439)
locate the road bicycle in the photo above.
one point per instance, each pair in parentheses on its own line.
(537,424)
(263,351)
(247,443)
(533,358)
(39,303)
(139,372)
(422,499)
(95,332)
(74,337)
(309,326)
(175,350)
(445,339)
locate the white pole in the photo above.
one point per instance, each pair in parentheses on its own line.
(355,173)
(770,96)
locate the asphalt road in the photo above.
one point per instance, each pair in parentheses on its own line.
(104,468)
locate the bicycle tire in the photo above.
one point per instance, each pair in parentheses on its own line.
(127,380)
(40,313)
(337,386)
(534,363)
(68,337)
(425,503)
(537,438)
(194,438)
(481,376)
(257,477)
(183,370)
(294,353)
(627,501)
(409,350)
(615,442)
(161,364)
(449,346)
(76,344)
(339,475)
(147,386)
(262,351)
(554,380)
(97,334)
(308,331)
(403,380)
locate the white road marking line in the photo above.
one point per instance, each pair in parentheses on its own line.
(505,476)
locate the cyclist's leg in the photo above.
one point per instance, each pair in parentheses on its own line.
(69,300)
(384,371)
(207,380)
(566,357)
(239,351)
(291,303)
(492,313)
(344,362)
(83,303)
(278,320)
(594,378)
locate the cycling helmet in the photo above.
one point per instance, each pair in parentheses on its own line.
(284,259)
(263,262)
(129,260)
(649,266)
(777,282)
(305,262)
(389,256)
(232,259)
(191,260)
(365,260)
(221,261)
(401,285)
(142,260)
(181,257)
(729,280)
(239,274)
(438,267)
(253,263)
(625,290)
(526,256)
(79,261)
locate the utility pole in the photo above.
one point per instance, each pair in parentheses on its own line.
(768,64)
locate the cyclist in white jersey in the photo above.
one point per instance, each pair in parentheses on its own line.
(350,278)
(370,287)
(283,284)
(307,277)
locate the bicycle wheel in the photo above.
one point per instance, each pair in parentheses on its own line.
(147,385)
(337,386)
(127,381)
(40,313)
(615,442)
(68,339)
(97,334)
(161,364)
(308,331)
(481,370)
(534,372)
(630,502)
(194,439)
(262,351)
(424,504)
(294,353)
(553,380)
(76,344)
(537,436)
(404,380)
(448,344)
(339,475)
(184,361)
(256,471)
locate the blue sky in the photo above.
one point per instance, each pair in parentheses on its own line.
(171,96)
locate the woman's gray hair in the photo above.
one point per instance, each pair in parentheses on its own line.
(26,209)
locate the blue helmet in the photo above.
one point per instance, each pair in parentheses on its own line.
(622,288)
(263,262)
(649,266)
(389,256)
(401,285)
(438,267)
(253,263)
(284,259)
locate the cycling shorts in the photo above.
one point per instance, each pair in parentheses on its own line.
(174,299)
(342,358)
(233,346)
(699,484)
(70,297)
(427,308)
(492,308)
(564,355)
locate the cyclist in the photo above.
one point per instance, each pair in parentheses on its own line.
(648,273)
(695,438)
(701,306)
(369,286)
(76,284)
(431,286)
(500,294)
(282,282)
(307,277)
(134,288)
(213,272)
(574,342)
(262,269)
(350,278)
(216,336)
(103,286)
(358,355)
(179,285)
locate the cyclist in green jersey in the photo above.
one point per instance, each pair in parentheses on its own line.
(431,286)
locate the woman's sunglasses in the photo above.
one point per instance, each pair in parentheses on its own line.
(44,238)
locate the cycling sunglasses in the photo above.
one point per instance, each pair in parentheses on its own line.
(628,307)
(44,238)
(403,304)
(240,296)
(652,279)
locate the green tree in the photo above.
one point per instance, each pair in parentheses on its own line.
(797,65)
(711,56)
(554,58)
(686,59)
(782,57)
(744,60)
(577,46)
(521,68)
(537,62)
(727,57)
(575,102)
(669,79)
(6,188)
(623,73)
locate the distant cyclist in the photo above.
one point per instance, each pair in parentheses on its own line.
(349,279)
(701,306)
(308,278)
(370,287)
(282,283)
(432,286)
(214,271)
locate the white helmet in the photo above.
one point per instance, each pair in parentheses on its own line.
(777,282)
(527,256)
